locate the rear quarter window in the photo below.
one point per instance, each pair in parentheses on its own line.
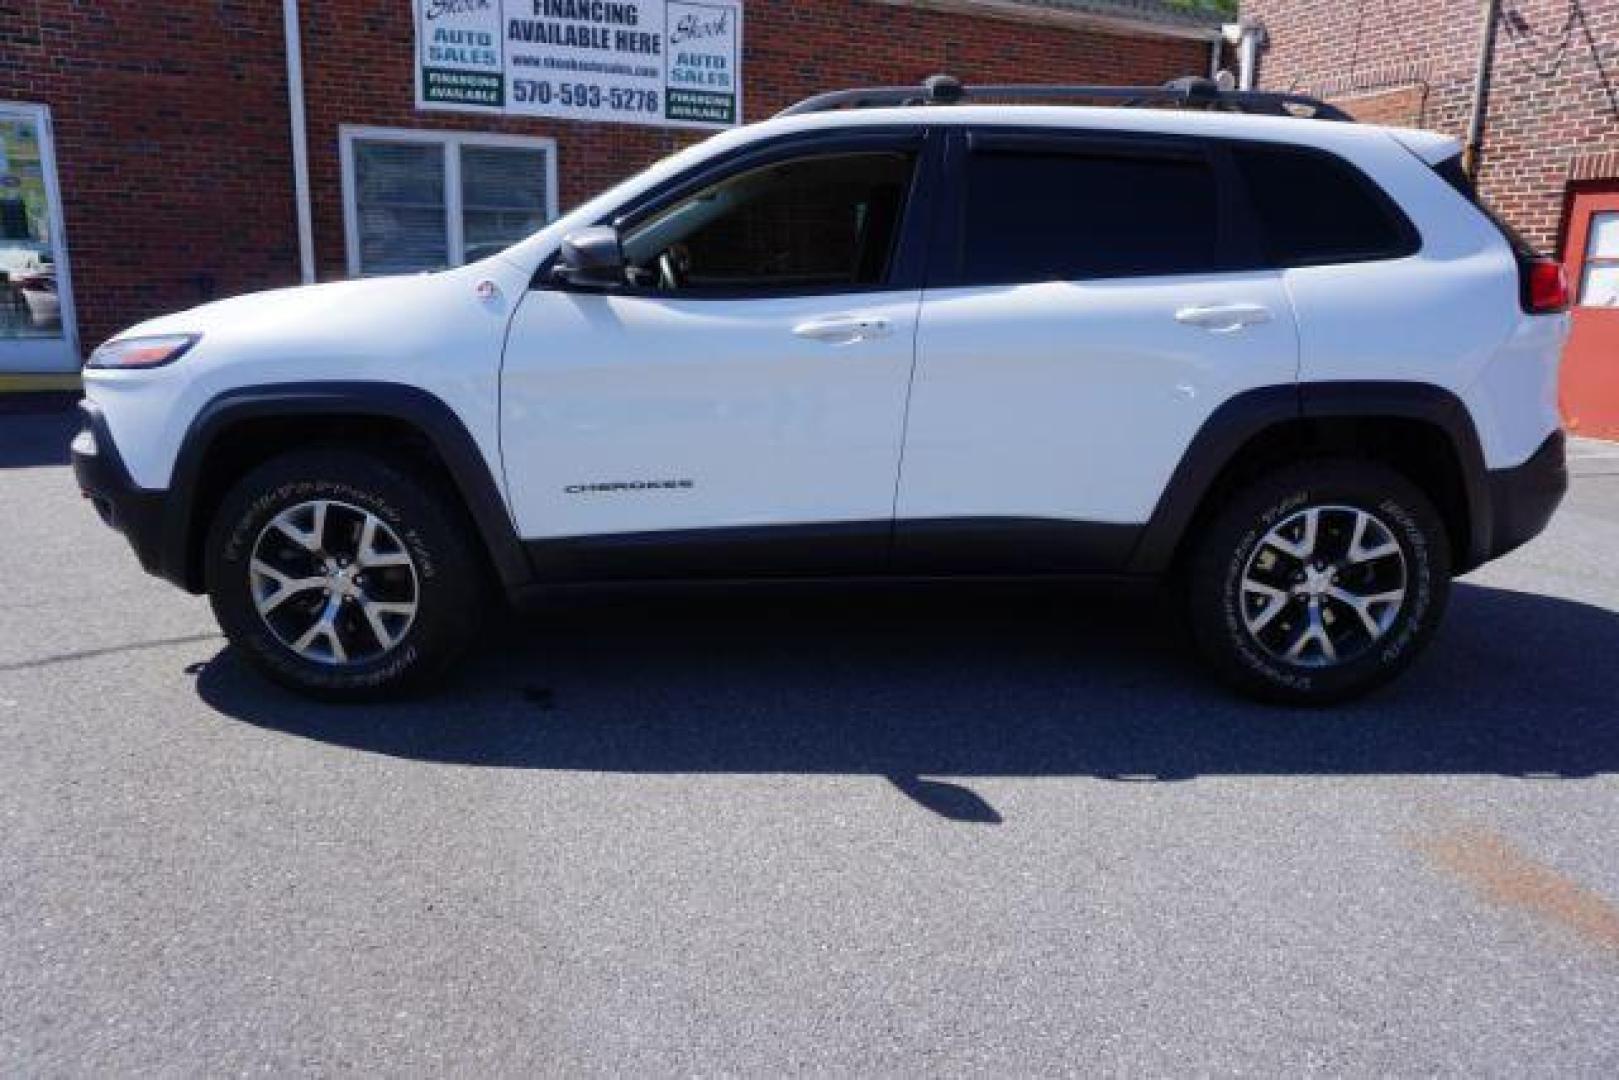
(1315,209)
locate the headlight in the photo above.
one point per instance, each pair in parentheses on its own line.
(144,352)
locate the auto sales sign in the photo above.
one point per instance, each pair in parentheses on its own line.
(669,63)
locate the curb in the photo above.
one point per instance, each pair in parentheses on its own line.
(66,382)
(38,393)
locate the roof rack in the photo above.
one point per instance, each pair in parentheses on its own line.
(1186,93)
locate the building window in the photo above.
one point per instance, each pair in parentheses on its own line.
(1599,286)
(426,200)
(36,299)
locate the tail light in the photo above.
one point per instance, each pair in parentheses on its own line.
(1545,287)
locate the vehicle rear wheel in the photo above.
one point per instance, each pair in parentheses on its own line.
(338,577)
(1319,582)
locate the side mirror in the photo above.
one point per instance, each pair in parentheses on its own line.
(593,258)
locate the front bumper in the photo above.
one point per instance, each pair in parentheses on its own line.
(1523,499)
(138,513)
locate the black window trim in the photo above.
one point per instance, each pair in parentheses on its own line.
(906,267)
(1235,233)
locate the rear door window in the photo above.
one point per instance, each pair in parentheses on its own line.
(1060,214)
(1315,209)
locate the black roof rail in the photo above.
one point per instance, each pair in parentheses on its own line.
(1187,93)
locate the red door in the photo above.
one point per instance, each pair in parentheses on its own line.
(1590,392)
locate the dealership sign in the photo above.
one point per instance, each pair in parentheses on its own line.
(671,63)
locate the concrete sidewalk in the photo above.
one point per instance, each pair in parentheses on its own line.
(1593,457)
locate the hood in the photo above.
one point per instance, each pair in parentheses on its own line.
(252,312)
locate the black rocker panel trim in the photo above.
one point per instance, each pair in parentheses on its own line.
(392,401)
(842,549)
(1011,546)
(1248,415)
(995,547)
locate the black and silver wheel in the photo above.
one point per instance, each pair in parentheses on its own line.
(1319,582)
(334,583)
(338,577)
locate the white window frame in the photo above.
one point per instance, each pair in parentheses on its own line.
(35,354)
(446,141)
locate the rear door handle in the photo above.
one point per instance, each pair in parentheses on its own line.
(1224,318)
(845,329)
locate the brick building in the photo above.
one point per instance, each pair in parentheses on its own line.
(153,156)
(1547,152)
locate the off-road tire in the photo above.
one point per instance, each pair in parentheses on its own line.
(448,579)
(1222,566)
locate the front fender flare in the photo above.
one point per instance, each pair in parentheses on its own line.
(418,408)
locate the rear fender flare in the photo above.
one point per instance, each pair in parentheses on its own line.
(1248,415)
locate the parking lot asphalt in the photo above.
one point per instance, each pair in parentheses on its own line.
(1008,831)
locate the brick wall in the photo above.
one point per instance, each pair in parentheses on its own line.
(1554,99)
(171,119)
(171,145)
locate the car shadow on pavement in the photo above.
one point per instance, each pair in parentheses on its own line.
(970,685)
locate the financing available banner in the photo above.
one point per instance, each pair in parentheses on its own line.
(667,63)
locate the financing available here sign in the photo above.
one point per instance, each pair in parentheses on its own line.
(669,63)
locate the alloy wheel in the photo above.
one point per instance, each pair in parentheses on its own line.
(334,583)
(1324,586)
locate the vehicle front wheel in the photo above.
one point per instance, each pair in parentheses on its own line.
(338,577)
(1319,582)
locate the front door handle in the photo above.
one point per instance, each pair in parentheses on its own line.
(845,329)
(1224,318)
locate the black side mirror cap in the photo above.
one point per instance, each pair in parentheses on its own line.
(591,258)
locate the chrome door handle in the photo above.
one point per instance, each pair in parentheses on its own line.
(1224,318)
(845,329)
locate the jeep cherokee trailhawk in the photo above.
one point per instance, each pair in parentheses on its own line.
(1225,340)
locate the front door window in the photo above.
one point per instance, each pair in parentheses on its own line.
(813,224)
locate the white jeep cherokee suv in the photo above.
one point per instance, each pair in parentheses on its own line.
(1284,362)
